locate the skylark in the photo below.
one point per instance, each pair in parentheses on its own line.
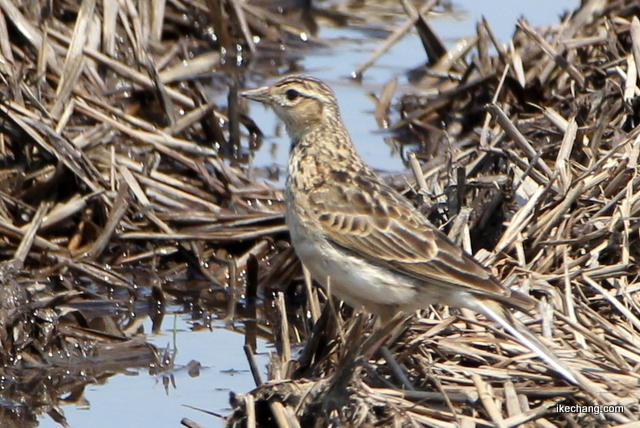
(380,252)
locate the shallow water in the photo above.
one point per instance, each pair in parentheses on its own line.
(352,47)
(139,399)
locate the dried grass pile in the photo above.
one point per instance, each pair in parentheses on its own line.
(530,161)
(122,183)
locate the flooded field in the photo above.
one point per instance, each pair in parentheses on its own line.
(144,250)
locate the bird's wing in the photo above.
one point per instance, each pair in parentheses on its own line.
(372,220)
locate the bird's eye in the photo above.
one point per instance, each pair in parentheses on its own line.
(292,94)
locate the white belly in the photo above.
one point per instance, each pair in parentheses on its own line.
(358,283)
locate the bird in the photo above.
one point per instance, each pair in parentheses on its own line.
(377,250)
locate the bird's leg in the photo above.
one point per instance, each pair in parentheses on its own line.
(381,332)
(376,343)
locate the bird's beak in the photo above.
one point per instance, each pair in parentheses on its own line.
(261,95)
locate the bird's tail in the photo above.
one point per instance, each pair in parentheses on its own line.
(502,316)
